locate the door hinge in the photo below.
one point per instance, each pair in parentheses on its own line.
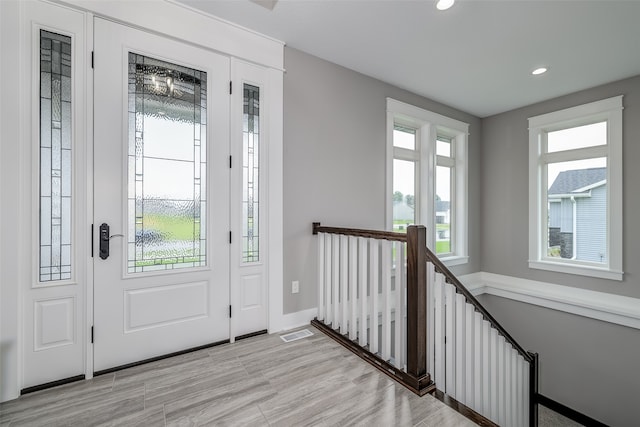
(92,59)
(92,335)
(91,240)
(229,311)
(230,162)
(230,87)
(229,237)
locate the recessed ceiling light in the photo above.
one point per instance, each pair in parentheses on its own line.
(444,4)
(539,71)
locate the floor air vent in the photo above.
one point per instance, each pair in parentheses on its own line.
(293,336)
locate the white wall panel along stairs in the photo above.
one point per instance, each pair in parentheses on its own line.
(469,359)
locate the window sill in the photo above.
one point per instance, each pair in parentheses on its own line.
(602,273)
(452,260)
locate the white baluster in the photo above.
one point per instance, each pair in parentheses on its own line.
(373,294)
(320,284)
(461,349)
(501,419)
(519,391)
(493,415)
(525,389)
(469,355)
(328,261)
(353,287)
(362,288)
(344,275)
(399,346)
(403,315)
(509,388)
(431,324)
(450,340)
(439,324)
(486,368)
(385,302)
(335,282)
(478,362)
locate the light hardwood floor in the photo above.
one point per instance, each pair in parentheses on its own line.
(259,381)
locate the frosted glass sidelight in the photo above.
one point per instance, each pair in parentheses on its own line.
(251,174)
(167,165)
(55,158)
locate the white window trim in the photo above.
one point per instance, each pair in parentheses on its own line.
(610,110)
(429,125)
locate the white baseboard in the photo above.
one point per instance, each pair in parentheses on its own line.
(611,308)
(299,318)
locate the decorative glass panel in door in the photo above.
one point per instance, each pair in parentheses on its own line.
(167,165)
(251,174)
(55,157)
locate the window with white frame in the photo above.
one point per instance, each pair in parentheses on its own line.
(427,178)
(445,192)
(575,190)
(405,173)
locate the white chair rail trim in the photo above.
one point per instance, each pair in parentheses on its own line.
(603,306)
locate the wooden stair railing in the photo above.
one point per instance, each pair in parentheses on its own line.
(353,262)
(415,376)
(528,357)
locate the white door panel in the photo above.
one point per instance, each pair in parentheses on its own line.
(162,185)
(54,334)
(249,146)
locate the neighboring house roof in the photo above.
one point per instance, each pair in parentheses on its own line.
(442,206)
(577,181)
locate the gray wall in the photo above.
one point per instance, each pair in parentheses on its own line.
(585,364)
(334,161)
(505,179)
(334,172)
(588,365)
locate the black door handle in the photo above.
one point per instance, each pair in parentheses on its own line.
(104,240)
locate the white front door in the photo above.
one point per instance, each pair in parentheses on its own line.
(162,178)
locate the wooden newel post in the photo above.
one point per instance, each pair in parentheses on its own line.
(417,304)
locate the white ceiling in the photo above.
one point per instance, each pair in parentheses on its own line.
(477,56)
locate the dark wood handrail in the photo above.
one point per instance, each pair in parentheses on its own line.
(373,234)
(460,288)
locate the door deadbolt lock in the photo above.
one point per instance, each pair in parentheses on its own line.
(104,240)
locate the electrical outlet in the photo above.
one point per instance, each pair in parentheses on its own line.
(295,287)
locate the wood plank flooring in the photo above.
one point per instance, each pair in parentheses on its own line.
(260,381)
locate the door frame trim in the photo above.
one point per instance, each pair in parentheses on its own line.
(92,244)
